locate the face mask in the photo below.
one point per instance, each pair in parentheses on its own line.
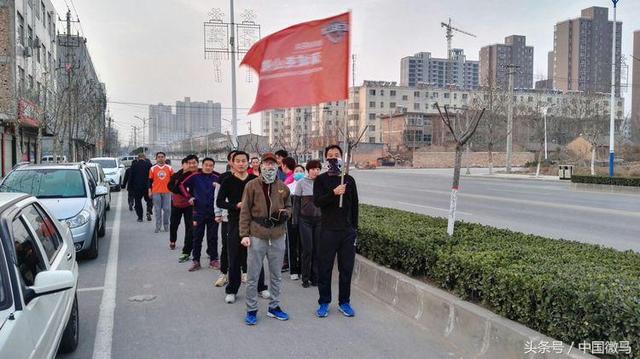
(298,176)
(334,166)
(268,175)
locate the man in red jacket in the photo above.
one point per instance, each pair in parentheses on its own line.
(180,207)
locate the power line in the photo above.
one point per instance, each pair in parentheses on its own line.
(170,106)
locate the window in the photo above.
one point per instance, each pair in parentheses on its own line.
(49,22)
(53,183)
(372,140)
(44,10)
(372,116)
(446,95)
(44,228)
(381,104)
(416,94)
(21,29)
(372,104)
(416,106)
(372,92)
(465,96)
(30,82)
(38,49)
(435,95)
(392,104)
(392,92)
(381,92)
(405,98)
(28,256)
(30,36)
(372,127)
(21,78)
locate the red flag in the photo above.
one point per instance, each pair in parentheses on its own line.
(304,64)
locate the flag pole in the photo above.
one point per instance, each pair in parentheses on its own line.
(346,120)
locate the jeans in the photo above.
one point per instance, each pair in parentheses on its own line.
(343,244)
(162,203)
(176,215)
(274,251)
(237,257)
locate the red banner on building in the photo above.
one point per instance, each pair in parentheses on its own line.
(28,114)
(302,65)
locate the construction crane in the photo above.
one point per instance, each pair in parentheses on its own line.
(450,30)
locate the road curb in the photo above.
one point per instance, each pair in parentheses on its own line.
(475,330)
(591,187)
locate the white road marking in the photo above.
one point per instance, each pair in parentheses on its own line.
(435,208)
(104,328)
(90,289)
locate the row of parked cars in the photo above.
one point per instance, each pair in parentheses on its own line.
(48,213)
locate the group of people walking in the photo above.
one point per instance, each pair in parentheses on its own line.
(297,217)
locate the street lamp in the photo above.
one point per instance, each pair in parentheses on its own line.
(545,109)
(144,123)
(612,106)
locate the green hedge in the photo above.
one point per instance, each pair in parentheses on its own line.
(616,181)
(568,290)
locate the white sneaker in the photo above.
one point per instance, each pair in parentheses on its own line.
(295,277)
(244,277)
(265,294)
(221,281)
(230,298)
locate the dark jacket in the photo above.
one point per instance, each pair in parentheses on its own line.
(202,187)
(302,200)
(230,194)
(139,176)
(333,217)
(177,198)
(255,209)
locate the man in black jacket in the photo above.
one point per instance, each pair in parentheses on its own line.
(339,226)
(139,183)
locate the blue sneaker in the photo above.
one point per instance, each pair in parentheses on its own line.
(251,318)
(277,313)
(346,310)
(323,310)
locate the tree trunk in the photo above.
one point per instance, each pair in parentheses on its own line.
(593,160)
(39,142)
(454,191)
(490,148)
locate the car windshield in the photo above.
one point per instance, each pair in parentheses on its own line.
(46,183)
(106,163)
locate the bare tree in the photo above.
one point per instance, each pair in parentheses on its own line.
(461,137)
(493,129)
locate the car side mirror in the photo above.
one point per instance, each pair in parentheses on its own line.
(101,191)
(121,165)
(50,282)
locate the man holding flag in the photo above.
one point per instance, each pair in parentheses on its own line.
(302,65)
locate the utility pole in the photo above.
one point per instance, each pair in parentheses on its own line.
(135,136)
(612,105)
(511,72)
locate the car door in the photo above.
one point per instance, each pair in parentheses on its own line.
(39,313)
(16,340)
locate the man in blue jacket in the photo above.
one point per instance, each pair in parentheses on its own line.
(200,188)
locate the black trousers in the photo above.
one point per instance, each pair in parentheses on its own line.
(138,195)
(237,258)
(224,256)
(202,222)
(309,230)
(293,248)
(176,216)
(342,244)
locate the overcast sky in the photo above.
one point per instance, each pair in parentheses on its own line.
(151,51)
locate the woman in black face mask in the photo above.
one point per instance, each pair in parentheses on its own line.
(339,226)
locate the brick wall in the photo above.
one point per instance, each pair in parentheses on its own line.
(7,52)
(475,159)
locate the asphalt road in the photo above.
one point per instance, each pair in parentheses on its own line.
(188,317)
(547,208)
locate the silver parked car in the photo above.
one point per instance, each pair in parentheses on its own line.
(113,170)
(104,202)
(38,281)
(70,193)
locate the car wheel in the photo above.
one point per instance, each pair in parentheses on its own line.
(71,334)
(92,252)
(102,230)
(109,203)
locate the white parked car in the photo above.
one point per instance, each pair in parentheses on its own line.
(113,170)
(38,281)
(126,160)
